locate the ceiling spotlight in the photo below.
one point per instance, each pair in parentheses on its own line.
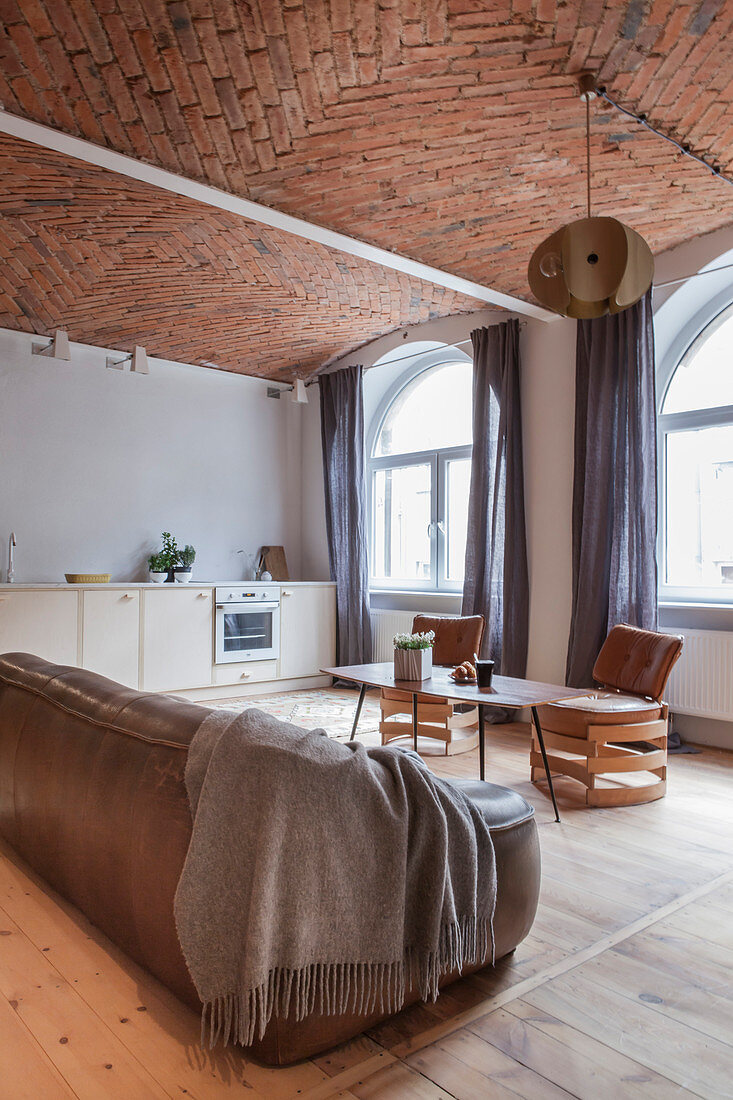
(56,348)
(300,394)
(138,361)
(594,265)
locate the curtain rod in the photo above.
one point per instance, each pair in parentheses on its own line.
(522,324)
(692,275)
(401,359)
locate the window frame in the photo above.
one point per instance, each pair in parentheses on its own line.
(438,460)
(691,420)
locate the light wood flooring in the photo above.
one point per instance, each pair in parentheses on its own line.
(623,988)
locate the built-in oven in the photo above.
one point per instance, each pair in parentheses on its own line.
(247,624)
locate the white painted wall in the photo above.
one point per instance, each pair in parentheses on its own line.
(314,542)
(95,463)
(548,426)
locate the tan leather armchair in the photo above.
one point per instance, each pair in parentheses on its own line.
(595,733)
(456,641)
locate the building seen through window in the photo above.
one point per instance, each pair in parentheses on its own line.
(419,471)
(696,448)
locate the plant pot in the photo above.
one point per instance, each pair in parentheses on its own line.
(157,578)
(183,576)
(413,664)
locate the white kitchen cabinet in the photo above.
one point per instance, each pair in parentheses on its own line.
(45,623)
(111,634)
(177,638)
(245,672)
(307,630)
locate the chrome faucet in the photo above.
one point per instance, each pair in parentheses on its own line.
(11,557)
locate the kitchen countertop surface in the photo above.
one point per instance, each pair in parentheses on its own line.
(150,584)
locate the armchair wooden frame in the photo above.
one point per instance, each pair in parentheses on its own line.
(435,719)
(457,638)
(632,665)
(604,754)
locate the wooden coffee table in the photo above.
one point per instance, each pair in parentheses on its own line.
(505,691)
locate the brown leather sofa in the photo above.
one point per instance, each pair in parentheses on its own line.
(92,797)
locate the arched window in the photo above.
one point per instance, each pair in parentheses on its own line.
(696,458)
(419,474)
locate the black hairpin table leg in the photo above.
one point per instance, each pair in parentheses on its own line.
(540,738)
(414,721)
(481,743)
(362,693)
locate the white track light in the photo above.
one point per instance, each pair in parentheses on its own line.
(56,348)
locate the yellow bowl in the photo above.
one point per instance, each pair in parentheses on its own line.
(88,578)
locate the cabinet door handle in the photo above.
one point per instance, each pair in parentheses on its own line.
(288,593)
(245,675)
(203,596)
(127,596)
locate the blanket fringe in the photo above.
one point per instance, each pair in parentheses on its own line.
(335,989)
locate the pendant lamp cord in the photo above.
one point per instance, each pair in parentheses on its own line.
(681,146)
(587,150)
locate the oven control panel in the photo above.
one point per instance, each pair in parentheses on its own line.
(230,594)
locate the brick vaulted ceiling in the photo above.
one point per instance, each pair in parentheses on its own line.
(447,130)
(118,263)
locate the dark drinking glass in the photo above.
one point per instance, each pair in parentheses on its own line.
(484,672)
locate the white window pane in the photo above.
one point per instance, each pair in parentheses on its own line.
(700,507)
(432,411)
(704,377)
(401,510)
(457,482)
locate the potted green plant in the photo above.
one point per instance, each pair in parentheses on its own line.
(157,568)
(162,563)
(413,656)
(169,553)
(186,557)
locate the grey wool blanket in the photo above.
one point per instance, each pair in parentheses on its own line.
(323,877)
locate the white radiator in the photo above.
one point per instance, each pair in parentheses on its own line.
(702,680)
(385,624)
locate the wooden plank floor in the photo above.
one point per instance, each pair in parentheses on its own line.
(623,988)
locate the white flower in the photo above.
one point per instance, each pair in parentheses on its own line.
(414,641)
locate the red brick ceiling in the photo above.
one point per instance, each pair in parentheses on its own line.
(119,263)
(448,130)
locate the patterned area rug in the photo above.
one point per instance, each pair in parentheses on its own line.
(331,709)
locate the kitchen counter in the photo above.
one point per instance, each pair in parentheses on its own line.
(150,584)
(162,637)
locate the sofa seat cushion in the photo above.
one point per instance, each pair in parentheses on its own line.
(572,717)
(501,807)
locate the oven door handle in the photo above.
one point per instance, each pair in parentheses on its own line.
(242,608)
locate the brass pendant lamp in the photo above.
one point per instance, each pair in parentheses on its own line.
(594,265)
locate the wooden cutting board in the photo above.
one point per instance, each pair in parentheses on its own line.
(272,559)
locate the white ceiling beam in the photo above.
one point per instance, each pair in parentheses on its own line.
(86,151)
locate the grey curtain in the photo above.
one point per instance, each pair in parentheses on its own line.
(615,484)
(342,436)
(496,581)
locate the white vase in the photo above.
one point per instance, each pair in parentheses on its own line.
(157,578)
(413,664)
(183,576)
